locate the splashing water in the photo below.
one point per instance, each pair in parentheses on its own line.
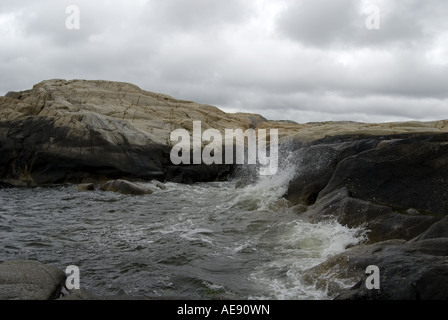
(266,191)
(208,240)
(302,245)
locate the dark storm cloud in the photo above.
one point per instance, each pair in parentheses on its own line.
(342,22)
(198,15)
(296,60)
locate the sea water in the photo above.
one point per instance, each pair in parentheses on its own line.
(203,241)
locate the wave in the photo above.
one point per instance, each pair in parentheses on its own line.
(302,245)
(265,192)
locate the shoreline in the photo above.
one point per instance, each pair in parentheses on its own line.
(390,178)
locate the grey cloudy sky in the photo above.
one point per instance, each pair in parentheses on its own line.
(301,60)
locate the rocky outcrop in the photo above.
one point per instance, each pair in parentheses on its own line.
(380,221)
(410,173)
(30,280)
(396,188)
(82,131)
(413,270)
(315,165)
(72,131)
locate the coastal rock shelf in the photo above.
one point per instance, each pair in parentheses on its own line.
(389,178)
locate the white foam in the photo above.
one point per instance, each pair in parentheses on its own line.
(267,192)
(302,245)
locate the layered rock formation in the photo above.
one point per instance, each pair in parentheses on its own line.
(74,131)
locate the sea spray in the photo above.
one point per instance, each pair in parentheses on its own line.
(298,244)
(264,192)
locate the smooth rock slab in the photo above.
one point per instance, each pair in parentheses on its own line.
(29,280)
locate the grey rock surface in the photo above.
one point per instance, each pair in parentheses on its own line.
(29,280)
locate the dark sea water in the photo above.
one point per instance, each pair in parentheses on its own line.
(207,241)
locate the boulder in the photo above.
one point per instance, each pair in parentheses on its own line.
(30,280)
(125,187)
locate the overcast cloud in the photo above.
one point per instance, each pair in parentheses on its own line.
(298,60)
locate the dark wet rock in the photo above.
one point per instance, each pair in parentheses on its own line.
(315,166)
(437,230)
(414,270)
(190,174)
(410,173)
(397,192)
(5,185)
(126,187)
(405,171)
(30,280)
(382,222)
(39,151)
